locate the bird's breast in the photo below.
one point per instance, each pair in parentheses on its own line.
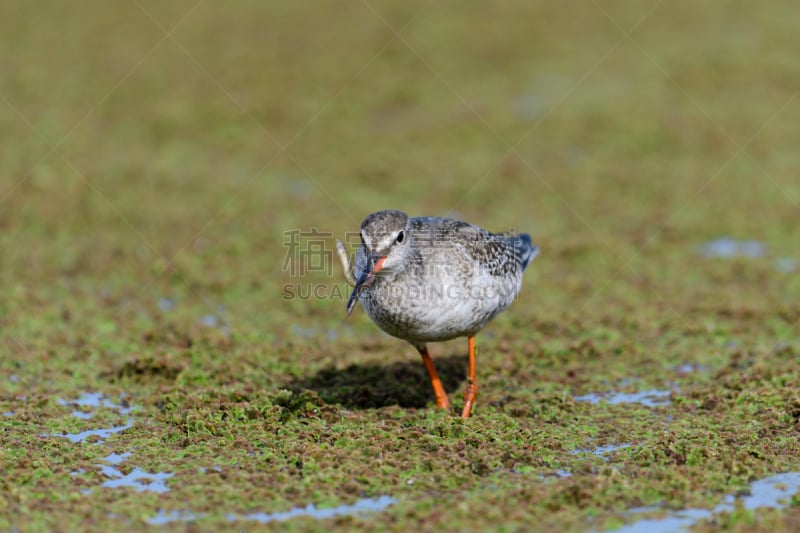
(437,306)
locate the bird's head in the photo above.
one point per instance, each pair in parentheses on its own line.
(385,241)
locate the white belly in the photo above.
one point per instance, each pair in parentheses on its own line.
(439,311)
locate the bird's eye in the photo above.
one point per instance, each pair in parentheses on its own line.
(401,236)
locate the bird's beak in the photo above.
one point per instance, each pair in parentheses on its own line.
(365,279)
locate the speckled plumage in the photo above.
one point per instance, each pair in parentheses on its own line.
(446,279)
(433,279)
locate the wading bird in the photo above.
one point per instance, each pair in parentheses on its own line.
(430,279)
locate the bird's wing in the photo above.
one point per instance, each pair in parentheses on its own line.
(499,254)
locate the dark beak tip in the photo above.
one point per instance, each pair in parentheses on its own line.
(351,304)
(364,280)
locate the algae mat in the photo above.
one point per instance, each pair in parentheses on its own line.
(175,352)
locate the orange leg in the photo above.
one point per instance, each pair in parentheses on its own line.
(438,389)
(471,393)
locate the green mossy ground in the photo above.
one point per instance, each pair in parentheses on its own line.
(159,151)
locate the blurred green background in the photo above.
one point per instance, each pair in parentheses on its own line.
(153,156)
(157,148)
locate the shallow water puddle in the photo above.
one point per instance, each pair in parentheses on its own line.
(648,398)
(561,473)
(175,516)
(765,493)
(601,451)
(727,247)
(116,458)
(93,400)
(689,368)
(217,320)
(136,478)
(361,506)
(367,505)
(166,304)
(82,436)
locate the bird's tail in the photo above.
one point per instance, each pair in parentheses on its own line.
(527,250)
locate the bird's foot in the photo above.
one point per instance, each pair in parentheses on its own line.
(470,395)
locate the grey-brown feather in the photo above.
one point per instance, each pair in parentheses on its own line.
(454,277)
